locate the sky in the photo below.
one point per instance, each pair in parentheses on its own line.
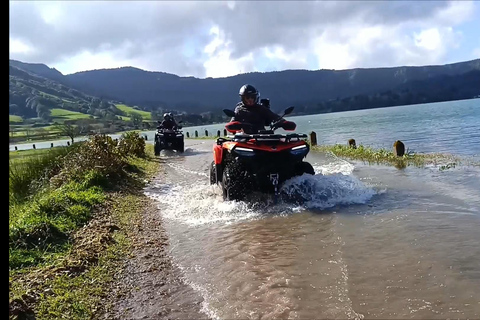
(223,38)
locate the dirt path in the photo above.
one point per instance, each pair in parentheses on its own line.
(150,284)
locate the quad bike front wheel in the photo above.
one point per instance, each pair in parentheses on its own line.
(157,147)
(213,173)
(181,146)
(304,167)
(233,188)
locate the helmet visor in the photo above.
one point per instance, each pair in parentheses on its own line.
(250,96)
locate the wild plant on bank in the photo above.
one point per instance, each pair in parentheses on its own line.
(29,173)
(55,193)
(131,143)
(383,156)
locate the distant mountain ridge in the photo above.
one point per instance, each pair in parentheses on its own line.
(310,91)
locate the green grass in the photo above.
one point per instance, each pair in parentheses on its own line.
(24,154)
(123,118)
(53,249)
(63,114)
(28,168)
(14,119)
(128,110)
(387,157)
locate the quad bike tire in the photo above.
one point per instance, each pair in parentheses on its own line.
(305,167)
(213,173)
(181,147)
(157,148)
(233,188)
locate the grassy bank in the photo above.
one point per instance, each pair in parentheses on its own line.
(387,157)
(72,213)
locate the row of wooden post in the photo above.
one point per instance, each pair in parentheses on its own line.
(206,133)
(398,146)
(34,147)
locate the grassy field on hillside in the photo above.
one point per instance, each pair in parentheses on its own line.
(62,115)
(14,119)
(128,110)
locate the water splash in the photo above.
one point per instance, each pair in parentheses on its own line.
(203,204)
(338,166)
(326,191)
(199,204)
(333,185)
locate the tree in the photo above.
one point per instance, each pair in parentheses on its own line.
(68,130)
(136,119)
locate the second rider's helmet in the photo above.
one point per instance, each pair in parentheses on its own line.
(248,91)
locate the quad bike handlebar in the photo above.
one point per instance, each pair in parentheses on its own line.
(235,126)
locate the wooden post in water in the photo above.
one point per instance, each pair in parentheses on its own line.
(313,138)
(188,135)
(51,145)
(68,143)
(16,148)
(196,134)
(352,143)
(218,133)
(224,132)
(398,148)
(206,133)
(34,146)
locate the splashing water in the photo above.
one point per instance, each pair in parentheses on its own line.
(203,204)
(325,191)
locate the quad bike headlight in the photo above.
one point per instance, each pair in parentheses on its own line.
(244,151)
(299,150)
(179,135)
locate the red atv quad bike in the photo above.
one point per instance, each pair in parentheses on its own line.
(244,163)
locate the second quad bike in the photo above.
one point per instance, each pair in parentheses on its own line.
(168,139)
(243,163)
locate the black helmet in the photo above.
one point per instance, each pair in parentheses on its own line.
(166,116)
(247,90)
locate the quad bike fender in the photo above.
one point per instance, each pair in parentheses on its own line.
(217,154)
(217,159)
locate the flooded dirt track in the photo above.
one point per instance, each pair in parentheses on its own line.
(370,242)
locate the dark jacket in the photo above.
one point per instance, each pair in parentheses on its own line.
(257,115)
(168,124)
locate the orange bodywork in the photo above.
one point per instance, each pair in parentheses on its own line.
(268,147)
(229,145)
(217,154)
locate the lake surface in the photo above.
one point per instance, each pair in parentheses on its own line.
(369,241)
(446,127)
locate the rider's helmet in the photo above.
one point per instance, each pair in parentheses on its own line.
(170,115)
(247,93)
(166,116)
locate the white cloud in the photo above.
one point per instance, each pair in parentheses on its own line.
(17,46)
(476,53)
(223,38)
(89,61)
(428,39)
(296,59)
(218,63)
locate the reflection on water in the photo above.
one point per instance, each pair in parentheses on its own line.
(369,242)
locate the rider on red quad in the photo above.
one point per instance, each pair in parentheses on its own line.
(250,111)
(168,122)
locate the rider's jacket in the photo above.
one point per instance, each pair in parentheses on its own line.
(256,115)
(168,124)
